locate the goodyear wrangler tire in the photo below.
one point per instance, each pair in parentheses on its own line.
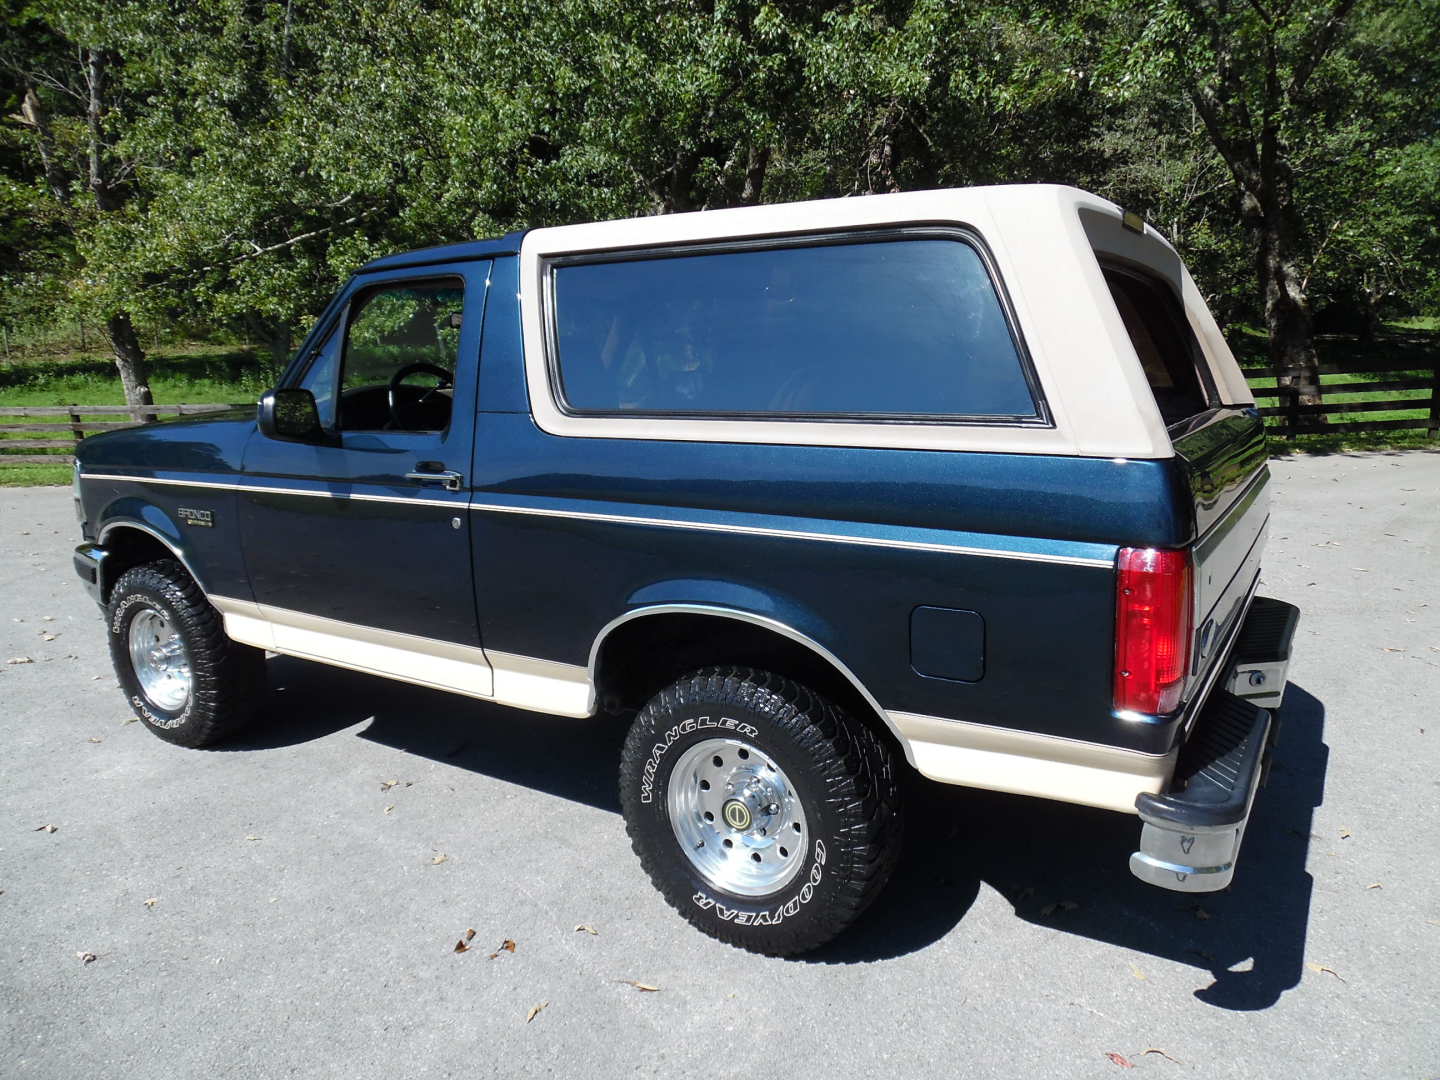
(184,679)
(764,814)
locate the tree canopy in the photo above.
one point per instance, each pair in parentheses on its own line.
(228,163)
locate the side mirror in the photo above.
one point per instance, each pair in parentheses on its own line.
(291,415)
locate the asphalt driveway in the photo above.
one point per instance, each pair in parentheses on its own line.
(290,905)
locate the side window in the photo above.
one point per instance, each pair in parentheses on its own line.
(892,328)
(400,350)
(320,379)
(1163,341)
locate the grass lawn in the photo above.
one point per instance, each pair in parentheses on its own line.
(182,374)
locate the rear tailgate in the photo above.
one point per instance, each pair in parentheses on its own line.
(1223,461)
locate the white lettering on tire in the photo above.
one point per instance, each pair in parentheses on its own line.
(769,918)
(136,702)
(685,727)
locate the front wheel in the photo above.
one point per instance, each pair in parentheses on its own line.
(763,813)
(187,681)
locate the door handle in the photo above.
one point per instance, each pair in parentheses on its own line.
(447,478)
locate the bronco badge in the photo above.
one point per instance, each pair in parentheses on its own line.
(205,518)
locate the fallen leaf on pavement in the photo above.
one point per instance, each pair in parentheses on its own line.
(1138,973)
(1320,970)
(640,986)
(46,636)
(86,957)
(460,946)
(470,934)
(505,946)
(1374,885)
(20,660)
(1344,834)
(535,1011)
(1162,1053)
(152,901)
(252,837)
(46,828)
(587,928)
(386,785)
(129,720)
(96,738)
(438,859)
(1120,1059)
(389,808)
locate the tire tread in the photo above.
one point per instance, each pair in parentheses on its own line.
(853,767)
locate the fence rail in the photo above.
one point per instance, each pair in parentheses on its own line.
(73,423)
(1423,388)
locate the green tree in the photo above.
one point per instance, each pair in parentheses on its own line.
(1283,89)
(68,62)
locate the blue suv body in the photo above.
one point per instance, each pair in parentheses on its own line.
(966,480)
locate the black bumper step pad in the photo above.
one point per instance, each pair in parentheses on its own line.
(1265,637)
(1216,772)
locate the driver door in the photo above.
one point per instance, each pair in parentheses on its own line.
(358,551)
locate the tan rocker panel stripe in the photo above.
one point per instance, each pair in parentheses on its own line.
(1027,763)
(950,751)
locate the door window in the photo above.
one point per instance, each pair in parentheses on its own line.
(401,347)
(320,379)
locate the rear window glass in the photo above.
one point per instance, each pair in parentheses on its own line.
(1163,341)
(893,328)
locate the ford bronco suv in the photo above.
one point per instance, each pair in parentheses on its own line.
(965,482)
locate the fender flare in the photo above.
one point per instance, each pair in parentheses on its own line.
(764,621)
(170,543)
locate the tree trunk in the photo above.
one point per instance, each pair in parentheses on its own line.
(1288,322)
(33,114)
(109,197)
(130,359)
(755,167)
(676,195)
(881,159)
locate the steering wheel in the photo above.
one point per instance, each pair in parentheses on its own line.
(394,397)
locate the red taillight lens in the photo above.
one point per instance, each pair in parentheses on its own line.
(1152,629)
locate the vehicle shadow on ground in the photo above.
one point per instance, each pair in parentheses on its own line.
(1059,866)
(1066,867)
(577,760)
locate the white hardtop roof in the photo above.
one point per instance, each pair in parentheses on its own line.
(1044,239)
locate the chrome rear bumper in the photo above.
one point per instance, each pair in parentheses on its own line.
(1190,839)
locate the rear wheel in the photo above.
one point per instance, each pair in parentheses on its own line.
(185,680)
(763,813)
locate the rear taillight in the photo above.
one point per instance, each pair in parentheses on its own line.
(1153,597)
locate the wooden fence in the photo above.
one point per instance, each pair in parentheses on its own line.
(71,423)
(1371,377)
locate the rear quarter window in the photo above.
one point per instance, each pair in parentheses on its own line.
(892,329)
(1163,341)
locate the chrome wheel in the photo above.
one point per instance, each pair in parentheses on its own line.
(159,660)
(737,817)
